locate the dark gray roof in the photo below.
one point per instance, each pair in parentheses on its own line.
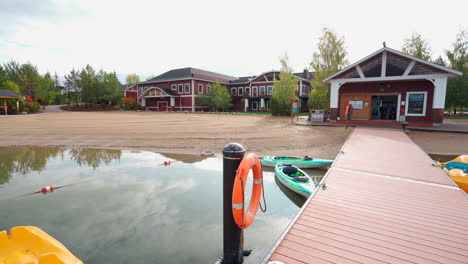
(303,75)
(125,86)
(4,92)
(188,73)
(240,80)
(168,91)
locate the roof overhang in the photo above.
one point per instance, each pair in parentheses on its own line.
(448,72)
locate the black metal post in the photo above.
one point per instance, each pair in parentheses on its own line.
(232,235)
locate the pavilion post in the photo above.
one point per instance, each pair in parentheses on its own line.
(5,106)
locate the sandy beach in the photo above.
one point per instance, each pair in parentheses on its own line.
(171,132)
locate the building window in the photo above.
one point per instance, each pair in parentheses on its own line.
(200,88)
(270,88)
(254,105)
(174,86)
(141,91)
(241,91)
(268,104)
(181,88)
(262,90)
(416,103)
(254,91)
(247,90)
(234,91)
(208,88)
(187,88)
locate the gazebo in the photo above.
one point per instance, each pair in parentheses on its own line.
(7,94)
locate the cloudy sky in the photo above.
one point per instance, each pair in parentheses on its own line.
(232,37)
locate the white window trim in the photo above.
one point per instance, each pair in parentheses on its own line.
(256,104)
(208,88)
(240,91)
(260,91)
(248,93)
(424,105)
(256,91)
(180,88)
(234,91)
(185,85)
(200,86)
(174,87)
(268,89)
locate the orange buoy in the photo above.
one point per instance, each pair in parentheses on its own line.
(48,189)
(250,162)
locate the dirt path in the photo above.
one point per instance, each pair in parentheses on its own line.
(441,142)
(172,132)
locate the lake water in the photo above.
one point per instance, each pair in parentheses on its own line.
(115,206)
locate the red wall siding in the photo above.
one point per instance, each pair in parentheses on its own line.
(395,87)
(130,94)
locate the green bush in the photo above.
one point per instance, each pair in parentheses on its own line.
(130,106)
(33,107)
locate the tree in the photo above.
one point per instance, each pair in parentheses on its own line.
(45,91)
(417,46)
(219,97)
(149,77)
(25,75)
(111,88)
(133,78)
(457,88)
(440,61)
(88,81)
(283,88)
(330,58)
(71,85)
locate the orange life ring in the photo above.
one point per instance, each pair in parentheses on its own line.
(245,219)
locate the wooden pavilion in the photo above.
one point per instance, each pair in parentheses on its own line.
(7,94)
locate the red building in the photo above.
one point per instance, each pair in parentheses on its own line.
(177,90)
(390,87)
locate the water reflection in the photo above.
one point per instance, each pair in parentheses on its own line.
(125,207)
(94,157)
(24,160)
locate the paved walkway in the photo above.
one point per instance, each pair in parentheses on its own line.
(449,125)
(384,202)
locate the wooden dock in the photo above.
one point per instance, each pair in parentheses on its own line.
(384,202)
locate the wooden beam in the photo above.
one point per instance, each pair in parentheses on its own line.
(359,70)
(5,105)
(409,68)
(384,64)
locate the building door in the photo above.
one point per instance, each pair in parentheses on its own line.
(162,106)
(385,107)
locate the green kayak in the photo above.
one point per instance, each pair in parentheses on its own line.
(304,163)
(294,179)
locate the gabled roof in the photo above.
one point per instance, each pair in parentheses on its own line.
(447,71)
(126,86)
(241,80)
(8,93)
(185,73)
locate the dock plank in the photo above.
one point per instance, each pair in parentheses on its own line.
(395,207)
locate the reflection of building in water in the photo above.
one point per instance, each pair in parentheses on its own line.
(94,157)
(185,158)
(24,160)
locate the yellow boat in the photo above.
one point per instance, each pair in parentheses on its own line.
(457,170)
(459,177)
(31,245)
